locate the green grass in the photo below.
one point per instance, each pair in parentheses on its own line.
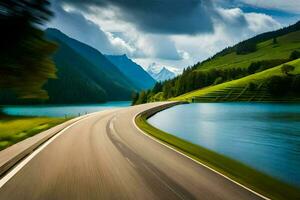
(237,90)
(257,181)
(265,51)
(14,128)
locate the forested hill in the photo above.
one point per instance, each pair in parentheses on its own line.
(80,81)
(81,78)
(249,45)
(93,56)
(135,73)
(257,54)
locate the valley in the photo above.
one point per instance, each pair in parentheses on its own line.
(115,99)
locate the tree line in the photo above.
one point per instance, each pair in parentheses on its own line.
(193,79)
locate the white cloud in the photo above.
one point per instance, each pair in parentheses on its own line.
(259,23)
(229,30)
(107,18)
(232,16)
(202,46)
(284,5)
(77,26)
(170,50)
(133,43)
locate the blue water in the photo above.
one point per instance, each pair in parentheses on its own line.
(63,110)
(264,136)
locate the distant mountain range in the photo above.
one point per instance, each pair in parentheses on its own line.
(85,75)
(135,73)
(160,73)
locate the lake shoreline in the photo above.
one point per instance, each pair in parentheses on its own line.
(250,177)
(62,104)
(61,110)
(263,136)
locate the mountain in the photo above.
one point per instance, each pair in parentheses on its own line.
(79,81)
(153,69)
(93,56)
(252,70)
(160,74)
(84,75)
(164,74)
(134,72)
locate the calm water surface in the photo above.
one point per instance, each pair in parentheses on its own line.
(63,110)
(264,136)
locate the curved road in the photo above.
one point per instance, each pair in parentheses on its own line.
(104,156)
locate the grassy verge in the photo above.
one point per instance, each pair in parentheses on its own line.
(257,181)
(16,128)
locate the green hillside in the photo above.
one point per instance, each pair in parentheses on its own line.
(249,88)
(94,57)
(79,81)
(247,71)
(78,78)
(265,51)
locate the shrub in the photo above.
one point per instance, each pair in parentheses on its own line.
(245,48)
(286,69)
(295,55)
(279,86)
(296,85)
(218,81)
(262,65)
(252,86)
(253,67)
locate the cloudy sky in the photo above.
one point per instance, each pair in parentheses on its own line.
(172,33)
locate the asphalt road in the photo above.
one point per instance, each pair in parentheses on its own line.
(104,156)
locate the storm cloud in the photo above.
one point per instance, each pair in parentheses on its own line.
(73,25)
(172,32)
(162,17)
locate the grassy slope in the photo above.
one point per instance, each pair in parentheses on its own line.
(237,90)
(241,173)
(265,51)
(14,129)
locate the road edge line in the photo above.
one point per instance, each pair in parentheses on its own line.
(18,166)
(196,161)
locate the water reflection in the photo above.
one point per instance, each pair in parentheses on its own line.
(264,136)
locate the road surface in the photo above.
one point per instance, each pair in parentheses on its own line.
(104,156)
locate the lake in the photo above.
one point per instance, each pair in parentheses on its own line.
(63,110)
(263,136)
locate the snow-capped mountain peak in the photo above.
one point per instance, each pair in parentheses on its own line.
(154,68)
(160,73)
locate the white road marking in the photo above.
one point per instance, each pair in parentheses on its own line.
(131,163)
(239,184)
(111,126)
(163,182)
(19,166)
